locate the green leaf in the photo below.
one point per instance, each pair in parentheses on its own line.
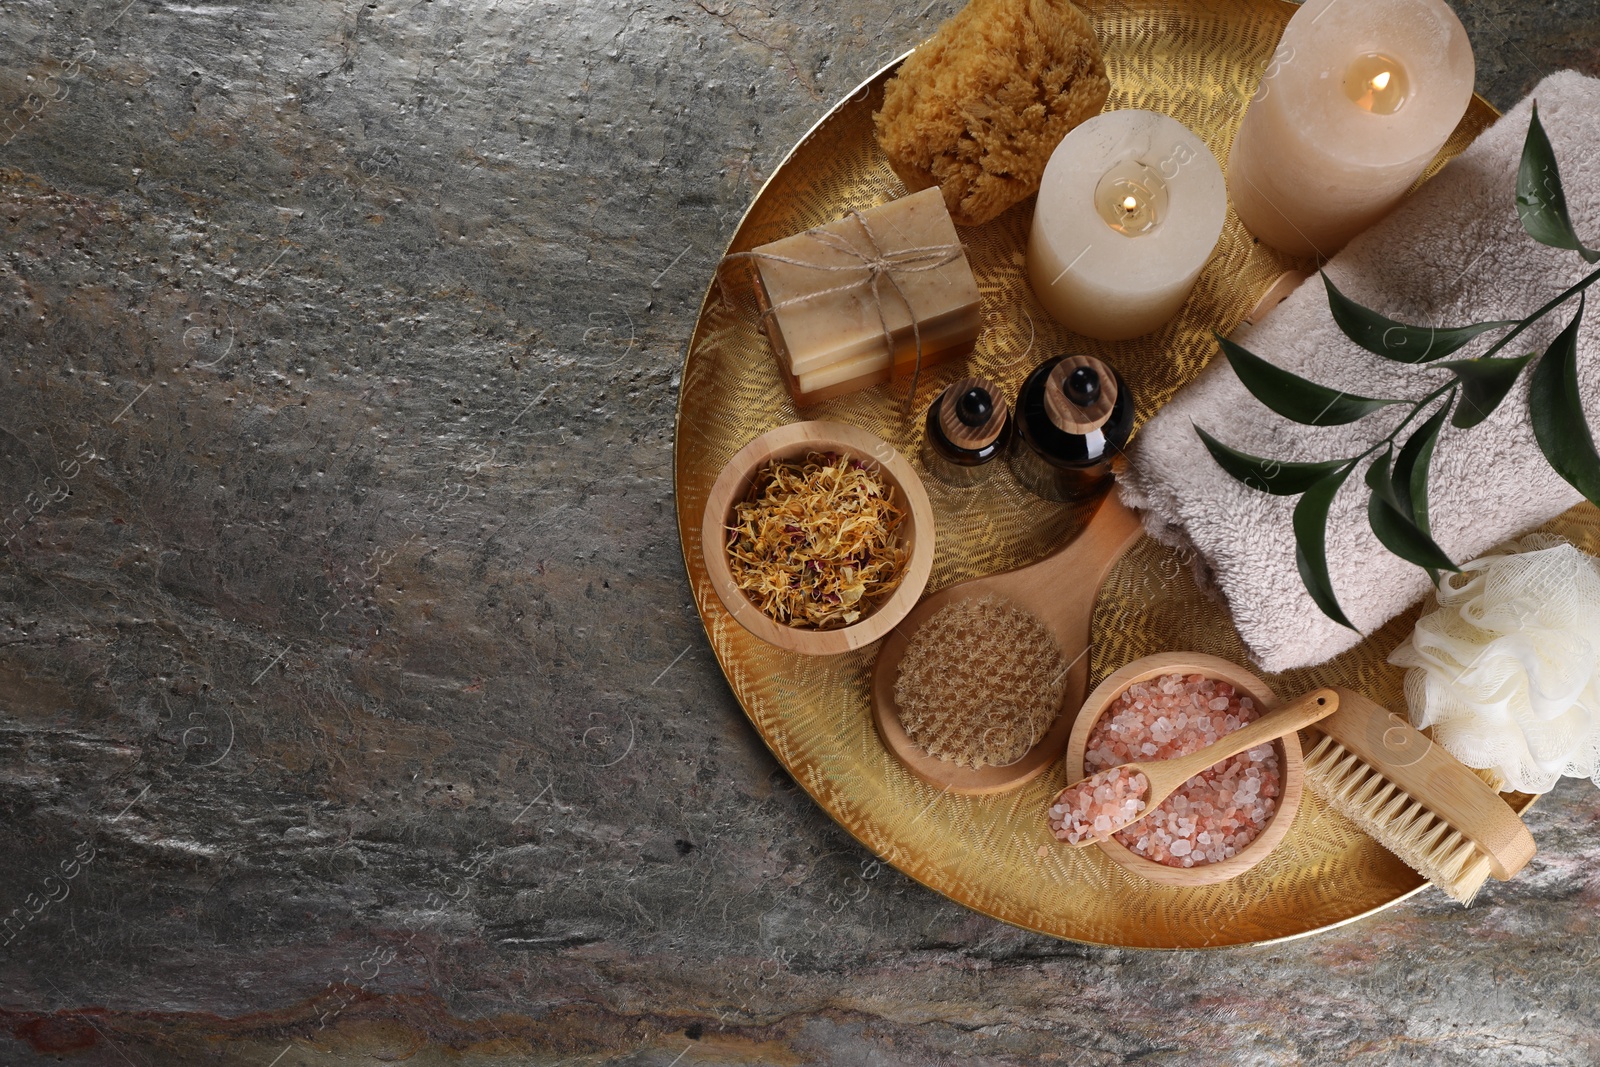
(1411,468)
(1484,383)
(1380,482)
(1383,336)
(1292,396)
(1399,535)
(1541,203)
(1394,528)
(1273,476)
(1410,478)
(1311,542)
(1557,413)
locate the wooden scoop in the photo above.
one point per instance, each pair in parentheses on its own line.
(1060,590)
(1165,776)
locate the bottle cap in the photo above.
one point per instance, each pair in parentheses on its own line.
(1080,394)
(972,412)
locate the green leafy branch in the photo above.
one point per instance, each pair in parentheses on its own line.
(1397,509)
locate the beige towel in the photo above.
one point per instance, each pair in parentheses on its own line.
(1452,254)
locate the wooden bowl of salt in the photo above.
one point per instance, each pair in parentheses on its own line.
(1291,776)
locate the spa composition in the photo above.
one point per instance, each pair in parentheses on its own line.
(1129,211)
(1031,737)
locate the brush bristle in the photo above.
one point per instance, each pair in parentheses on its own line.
(1426,843)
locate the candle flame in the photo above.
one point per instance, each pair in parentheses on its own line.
(1381,82)
(1129,203)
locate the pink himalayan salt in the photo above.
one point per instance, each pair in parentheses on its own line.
(1218,812)
(1098,805)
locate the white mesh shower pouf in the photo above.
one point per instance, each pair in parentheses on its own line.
(1507,669)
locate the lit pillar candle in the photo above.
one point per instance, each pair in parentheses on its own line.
(1358,99)
(1129,210)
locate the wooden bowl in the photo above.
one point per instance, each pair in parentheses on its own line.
(1289,762)
(792,442)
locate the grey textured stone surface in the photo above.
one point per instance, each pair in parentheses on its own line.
(352,705)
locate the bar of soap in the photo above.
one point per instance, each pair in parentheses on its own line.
(831,343)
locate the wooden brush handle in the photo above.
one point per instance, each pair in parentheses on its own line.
(1065,583)
(1434,778)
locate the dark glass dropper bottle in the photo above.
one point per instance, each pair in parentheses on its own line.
(1073,415)
(968,425)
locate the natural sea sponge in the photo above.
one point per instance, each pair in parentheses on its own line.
(978,109)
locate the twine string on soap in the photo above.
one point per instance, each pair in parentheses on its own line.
(879,265)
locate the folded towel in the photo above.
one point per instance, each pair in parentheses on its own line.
(1452,254)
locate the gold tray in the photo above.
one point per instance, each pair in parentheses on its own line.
(1198,63)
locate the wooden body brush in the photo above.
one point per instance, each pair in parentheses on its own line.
(1416,799)
(1060,592)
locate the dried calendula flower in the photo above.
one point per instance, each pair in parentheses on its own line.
(815,543)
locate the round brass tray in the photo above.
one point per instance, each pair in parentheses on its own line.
(1199,63)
